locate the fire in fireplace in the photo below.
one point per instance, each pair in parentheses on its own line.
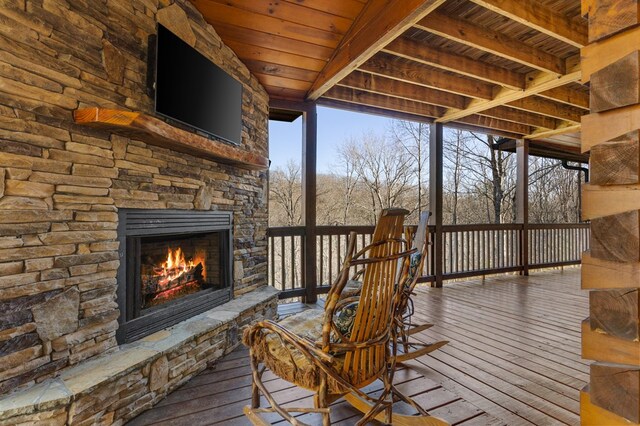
(175,264)
(175,277)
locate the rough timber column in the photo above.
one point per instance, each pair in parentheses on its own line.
(611,271)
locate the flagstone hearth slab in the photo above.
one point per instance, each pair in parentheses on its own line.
(152,367)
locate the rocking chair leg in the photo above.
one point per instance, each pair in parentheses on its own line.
(320,400)
(255,396)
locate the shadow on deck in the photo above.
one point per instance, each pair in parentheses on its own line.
(513,359)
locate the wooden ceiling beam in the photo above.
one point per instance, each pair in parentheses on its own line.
(410,72)
(491,41)
(332,98)
(495,124)
(563,128)
(534,15)
(422,53)
(366,109)
(548,108)
(538,82)
(399,89)
(387,102)
(522,117)
(567,96)
(365,39)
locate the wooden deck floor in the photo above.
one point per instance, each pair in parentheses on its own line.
(513,359)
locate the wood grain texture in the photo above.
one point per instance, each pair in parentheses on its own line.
(615,312)
(616,162)
(616,237)
(607,17)
(592,415)
(601,274)
(156,132)
(535,15)
(494,42)
(365,39)
(599,201)
(609,125)
(616,85)
(603,347)
(616,388)
(602,53)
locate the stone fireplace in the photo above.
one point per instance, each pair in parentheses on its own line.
(175,264)
(73,244)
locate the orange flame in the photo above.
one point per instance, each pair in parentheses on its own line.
(176,265)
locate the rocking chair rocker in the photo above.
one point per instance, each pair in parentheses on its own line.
(315,351)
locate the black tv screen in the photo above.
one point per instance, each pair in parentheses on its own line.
(193,90)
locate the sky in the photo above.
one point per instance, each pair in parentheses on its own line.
(334,126)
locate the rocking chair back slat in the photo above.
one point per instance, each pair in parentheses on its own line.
(374,313)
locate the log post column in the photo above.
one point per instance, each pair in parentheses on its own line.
(611,201)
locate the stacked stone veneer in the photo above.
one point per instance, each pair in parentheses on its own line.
(61,184)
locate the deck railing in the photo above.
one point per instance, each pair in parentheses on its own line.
(468,251)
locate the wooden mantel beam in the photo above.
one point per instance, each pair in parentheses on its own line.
(369,33)
(491,41)
(534,15)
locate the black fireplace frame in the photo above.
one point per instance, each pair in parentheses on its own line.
(135,224)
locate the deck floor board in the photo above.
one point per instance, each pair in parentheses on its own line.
(513,359)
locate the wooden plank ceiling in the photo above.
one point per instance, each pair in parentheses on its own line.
(505,67)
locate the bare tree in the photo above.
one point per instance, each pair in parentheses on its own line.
(383,168)
(285,194)
(414,138)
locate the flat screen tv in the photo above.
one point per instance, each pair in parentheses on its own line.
(191,89)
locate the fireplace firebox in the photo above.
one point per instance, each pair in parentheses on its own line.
(174,264)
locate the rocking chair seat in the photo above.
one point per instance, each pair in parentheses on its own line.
(286,361)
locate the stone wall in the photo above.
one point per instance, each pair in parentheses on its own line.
(61,184)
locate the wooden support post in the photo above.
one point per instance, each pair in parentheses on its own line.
(522,201)
(610,335)
(435,198)
(309,191)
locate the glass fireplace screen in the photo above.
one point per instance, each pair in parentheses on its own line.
(175,266)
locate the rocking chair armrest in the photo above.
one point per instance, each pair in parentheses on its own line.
(302,344)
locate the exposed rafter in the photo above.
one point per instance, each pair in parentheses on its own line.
(411,72)
(534,15)
(419,108)
(539,82)
(380,101)
(548,108)
(422,53)
(393,88)
(567,96)
(365,39)
(399,89)
(562,129)
(491,41)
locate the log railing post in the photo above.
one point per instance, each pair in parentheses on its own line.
(435,198)
(522,201)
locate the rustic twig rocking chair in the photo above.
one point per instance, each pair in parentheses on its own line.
(318,351)
(405,328)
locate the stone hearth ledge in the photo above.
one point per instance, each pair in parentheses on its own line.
(55,398)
